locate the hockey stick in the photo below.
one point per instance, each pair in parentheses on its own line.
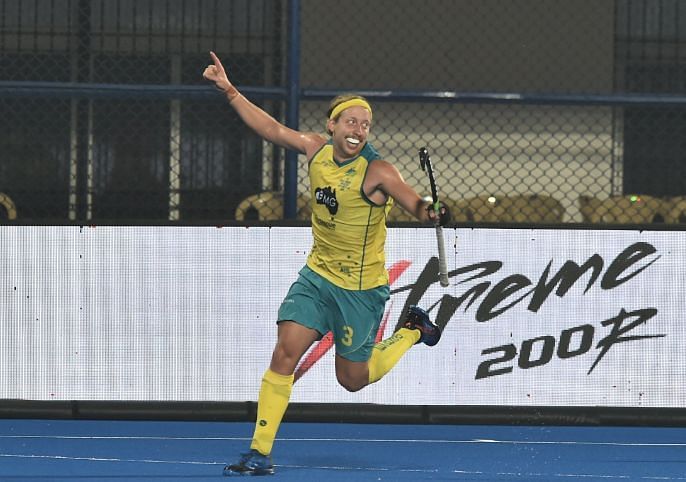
(425,163)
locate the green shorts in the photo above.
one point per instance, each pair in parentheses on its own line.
(352,316)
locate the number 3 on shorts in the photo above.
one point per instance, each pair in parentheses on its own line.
(347,338)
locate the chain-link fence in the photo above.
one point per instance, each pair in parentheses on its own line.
(101,120)
(533,111)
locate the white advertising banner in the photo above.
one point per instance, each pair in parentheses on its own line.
(533,317)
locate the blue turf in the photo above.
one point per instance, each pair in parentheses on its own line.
(40,450)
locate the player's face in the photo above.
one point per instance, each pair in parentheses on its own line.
(350,132)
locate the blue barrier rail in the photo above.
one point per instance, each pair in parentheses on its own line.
(64,90)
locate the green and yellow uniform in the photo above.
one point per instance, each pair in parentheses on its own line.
(349,230)
(344,286)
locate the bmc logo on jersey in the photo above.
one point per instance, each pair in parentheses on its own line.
(327,197)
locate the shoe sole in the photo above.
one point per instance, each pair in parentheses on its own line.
(259,472)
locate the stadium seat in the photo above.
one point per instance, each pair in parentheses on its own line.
(533,208)
(626,209)
(268,206)
(674,210)
(9,210)
(480,209)
(304,212)
(520,208)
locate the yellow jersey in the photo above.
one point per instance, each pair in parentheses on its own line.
(348,229)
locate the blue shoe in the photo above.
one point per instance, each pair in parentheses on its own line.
(418,319)
(251,463)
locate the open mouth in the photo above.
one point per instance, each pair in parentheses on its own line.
(352,141)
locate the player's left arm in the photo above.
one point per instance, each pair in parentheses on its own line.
(384,179)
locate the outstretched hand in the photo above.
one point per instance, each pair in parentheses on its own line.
(216,73)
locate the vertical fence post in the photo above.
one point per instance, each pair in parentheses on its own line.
(83,117)
(175,143)
(290,183)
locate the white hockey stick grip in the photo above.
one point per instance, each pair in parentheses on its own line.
(442,263)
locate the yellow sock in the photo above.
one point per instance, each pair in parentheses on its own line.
(386,353)
(271,406)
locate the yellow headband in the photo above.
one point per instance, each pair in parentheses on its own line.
(350,103)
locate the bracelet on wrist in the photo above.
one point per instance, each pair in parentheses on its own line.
(231,92)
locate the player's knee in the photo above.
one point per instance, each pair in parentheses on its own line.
(284,359)
(351,383)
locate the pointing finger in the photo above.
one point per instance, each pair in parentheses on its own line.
(216,60)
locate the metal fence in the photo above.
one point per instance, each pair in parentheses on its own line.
(534,111)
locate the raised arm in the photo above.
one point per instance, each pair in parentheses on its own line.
(257,119)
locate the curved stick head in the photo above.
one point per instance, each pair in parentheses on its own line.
(423,157)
